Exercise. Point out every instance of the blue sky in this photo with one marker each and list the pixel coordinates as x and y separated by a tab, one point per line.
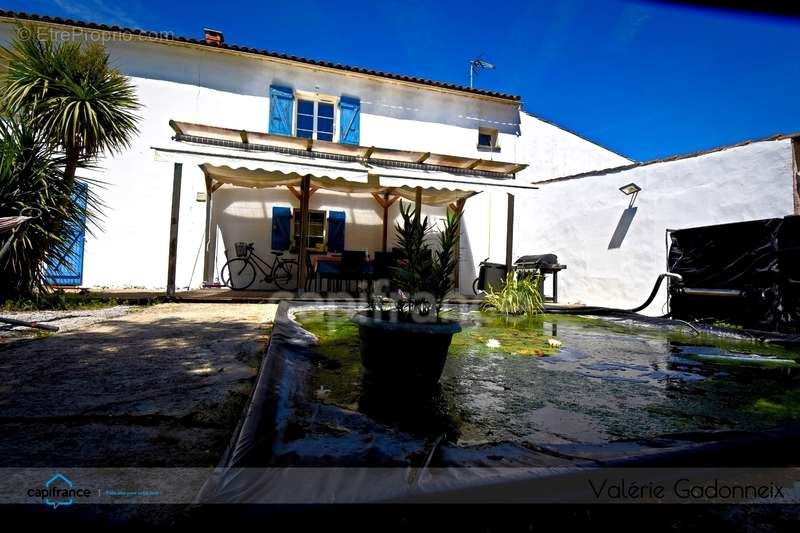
644	79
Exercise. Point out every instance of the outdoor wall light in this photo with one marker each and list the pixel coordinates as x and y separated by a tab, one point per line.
630	188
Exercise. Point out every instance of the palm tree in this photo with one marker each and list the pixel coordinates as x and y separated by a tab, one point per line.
70	93
32	178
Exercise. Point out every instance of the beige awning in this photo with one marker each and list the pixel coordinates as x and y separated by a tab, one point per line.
260	160
439	194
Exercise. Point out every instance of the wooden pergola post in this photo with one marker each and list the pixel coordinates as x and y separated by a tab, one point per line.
417	205
305	194
457	208
173	228
385	220
208	262
385	202
510	233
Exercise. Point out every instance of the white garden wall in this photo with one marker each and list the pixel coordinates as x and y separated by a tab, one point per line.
577	218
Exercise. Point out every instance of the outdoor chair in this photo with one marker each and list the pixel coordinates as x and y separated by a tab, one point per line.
352	267
382	267
311	276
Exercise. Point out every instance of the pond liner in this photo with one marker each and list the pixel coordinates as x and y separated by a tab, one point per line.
249	476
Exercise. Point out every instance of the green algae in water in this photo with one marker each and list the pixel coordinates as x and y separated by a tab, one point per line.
608	379
490	333
338	369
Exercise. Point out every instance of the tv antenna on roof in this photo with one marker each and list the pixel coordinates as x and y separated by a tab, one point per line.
475	65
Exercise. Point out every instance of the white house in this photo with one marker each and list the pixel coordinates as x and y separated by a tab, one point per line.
246	126
206	82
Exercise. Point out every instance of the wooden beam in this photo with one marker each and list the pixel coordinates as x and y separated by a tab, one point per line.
458	205
458	208
208	264
309	144
369	151
295	192
301	260
386	200
379	199
474	164
243	135
216	186
510	232
173	228
423	157
298	194
417	205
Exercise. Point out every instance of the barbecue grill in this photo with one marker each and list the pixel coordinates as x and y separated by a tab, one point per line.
529	265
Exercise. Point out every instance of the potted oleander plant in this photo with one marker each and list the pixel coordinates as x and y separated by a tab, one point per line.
404	339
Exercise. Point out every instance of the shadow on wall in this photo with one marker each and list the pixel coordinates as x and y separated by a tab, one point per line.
623	226
242	218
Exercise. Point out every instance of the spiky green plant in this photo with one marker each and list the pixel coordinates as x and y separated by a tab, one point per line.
518	296
62	106
425	275
32	178
70	93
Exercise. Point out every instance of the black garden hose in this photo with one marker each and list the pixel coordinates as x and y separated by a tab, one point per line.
612	310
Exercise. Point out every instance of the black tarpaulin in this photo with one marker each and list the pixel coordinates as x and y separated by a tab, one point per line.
760	259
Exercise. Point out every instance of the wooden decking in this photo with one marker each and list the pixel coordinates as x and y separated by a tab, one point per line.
224	295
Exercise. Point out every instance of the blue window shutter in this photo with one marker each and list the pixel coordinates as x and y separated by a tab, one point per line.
281	110
349	120
281	228
68	270
335	231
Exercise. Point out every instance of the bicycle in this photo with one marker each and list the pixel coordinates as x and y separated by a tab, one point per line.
240	272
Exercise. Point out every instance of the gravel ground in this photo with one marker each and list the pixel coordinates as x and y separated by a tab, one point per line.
161	387
68	320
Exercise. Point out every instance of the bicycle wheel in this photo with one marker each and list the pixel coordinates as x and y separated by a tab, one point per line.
284	274
475	287
238	274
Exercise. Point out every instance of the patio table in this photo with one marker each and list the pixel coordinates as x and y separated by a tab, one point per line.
330	268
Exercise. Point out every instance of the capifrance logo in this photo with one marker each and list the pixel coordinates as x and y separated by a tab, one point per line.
59	491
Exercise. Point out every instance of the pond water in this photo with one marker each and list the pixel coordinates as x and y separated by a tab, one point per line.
561	378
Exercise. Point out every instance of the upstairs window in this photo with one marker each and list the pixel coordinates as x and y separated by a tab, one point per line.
487	140
315	119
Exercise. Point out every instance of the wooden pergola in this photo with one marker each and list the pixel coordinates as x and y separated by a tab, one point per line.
258	160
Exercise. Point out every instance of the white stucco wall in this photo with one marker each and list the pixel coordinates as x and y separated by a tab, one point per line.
576	218
230	90
551	152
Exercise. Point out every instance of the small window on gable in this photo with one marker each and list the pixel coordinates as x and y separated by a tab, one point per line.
487	140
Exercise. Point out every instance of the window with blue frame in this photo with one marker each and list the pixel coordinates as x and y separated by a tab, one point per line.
315	119
311	116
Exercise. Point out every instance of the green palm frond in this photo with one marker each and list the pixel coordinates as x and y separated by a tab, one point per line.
70	91
31	176
62	106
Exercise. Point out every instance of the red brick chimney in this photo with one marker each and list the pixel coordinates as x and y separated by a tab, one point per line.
213	37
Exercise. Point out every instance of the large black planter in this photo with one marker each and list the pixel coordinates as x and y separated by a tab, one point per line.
403	353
